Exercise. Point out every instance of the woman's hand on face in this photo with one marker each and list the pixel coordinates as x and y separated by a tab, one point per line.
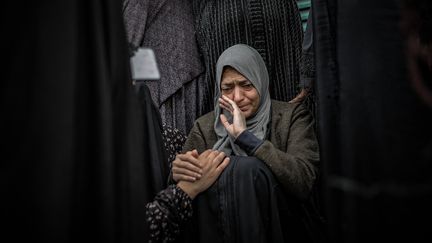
213	163
239	121
186	167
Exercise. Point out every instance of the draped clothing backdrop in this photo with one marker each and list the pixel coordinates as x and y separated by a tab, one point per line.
167	26
189	35
273	28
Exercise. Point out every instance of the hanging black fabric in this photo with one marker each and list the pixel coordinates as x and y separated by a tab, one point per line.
156	150
375	129
273	28
79	151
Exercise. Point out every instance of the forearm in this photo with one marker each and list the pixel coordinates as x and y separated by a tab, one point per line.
171	208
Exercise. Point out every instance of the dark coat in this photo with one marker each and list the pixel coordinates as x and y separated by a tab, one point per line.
272	198
291	150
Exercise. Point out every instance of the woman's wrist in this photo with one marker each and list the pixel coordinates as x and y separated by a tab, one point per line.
248	142
188	189
240	132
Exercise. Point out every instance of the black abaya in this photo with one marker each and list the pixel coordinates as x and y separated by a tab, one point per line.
77	164
247	204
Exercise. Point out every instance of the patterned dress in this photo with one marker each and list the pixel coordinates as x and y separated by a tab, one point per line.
171	208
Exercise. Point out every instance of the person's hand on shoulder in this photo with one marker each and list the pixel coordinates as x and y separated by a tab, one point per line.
301	96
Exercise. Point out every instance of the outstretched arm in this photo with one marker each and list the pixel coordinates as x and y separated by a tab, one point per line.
172	207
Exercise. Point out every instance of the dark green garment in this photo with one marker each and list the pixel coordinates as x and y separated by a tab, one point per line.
246	202
291	150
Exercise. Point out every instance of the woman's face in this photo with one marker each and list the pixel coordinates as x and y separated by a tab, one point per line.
239	89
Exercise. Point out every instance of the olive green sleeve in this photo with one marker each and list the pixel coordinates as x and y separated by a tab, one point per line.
296	168
195	140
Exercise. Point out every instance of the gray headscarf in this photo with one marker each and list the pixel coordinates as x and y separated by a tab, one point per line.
247	61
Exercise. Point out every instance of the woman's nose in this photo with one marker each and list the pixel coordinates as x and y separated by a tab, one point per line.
238	94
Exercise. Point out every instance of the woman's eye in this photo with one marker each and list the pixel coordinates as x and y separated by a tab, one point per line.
247	85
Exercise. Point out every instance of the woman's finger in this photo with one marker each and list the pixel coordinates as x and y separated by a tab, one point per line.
194	153
231	102
189	158
213	155
229	109
218	159
225	122
225	105
223	101
178	178
222	166
184	172
186	165
205	153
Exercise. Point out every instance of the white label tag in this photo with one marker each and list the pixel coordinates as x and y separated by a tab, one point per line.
144	66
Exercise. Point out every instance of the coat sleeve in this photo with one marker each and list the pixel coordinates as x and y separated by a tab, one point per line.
296	168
